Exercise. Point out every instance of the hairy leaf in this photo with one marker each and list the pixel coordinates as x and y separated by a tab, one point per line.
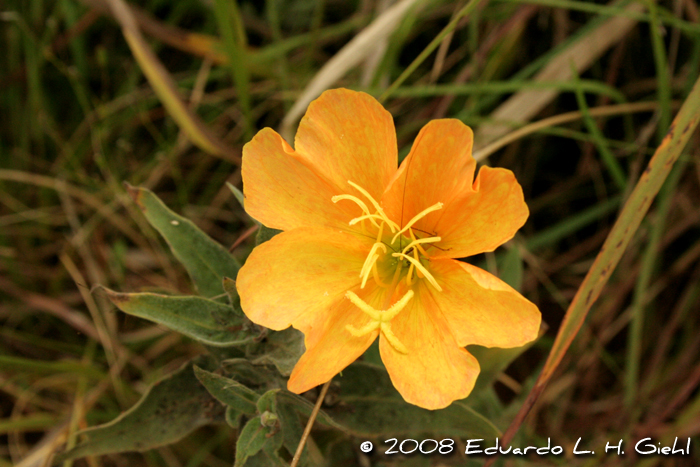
250	440
206	261
253	376
268	457
196	317
228	391
168	411
370	406
282	349
292	430
258	445
286	399
230	289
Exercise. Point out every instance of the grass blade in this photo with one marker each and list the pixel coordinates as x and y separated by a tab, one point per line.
616	171
228	19
622	232
468	8
348	57
164	85
526	104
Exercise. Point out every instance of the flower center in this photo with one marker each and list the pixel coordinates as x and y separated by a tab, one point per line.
389	262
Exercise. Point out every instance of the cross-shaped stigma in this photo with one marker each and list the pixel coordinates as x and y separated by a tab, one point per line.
380	319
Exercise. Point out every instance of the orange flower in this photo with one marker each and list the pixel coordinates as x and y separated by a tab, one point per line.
367	250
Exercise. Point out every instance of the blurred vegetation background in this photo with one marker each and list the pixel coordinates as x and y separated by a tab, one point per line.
80	113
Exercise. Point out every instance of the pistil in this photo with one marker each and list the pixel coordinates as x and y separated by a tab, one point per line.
380	319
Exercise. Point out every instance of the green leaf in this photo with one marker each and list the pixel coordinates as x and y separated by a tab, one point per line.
258	445
230	289
206	261
370	406
292	430
233	417
268	457
264	234
511	268
493	362
195	317
169	410
268	401
282	349
228	392
304	407
251	375
238	194
250	440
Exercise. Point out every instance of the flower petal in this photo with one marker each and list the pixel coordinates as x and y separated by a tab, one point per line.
436	371
475	217
330	347
483	219
348	135
283	190
482	309
438	168
303	271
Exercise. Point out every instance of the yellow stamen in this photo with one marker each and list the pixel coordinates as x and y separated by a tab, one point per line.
380	319
371	260
420	241
416	218
380	211
413	252
409	276
362	206
421	269
372	217
354	199
420	248
380	232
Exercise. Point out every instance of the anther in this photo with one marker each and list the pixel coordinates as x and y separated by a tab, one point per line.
362	206
372	217
392	225
420	248
354	199
420	241
371	260
416	218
